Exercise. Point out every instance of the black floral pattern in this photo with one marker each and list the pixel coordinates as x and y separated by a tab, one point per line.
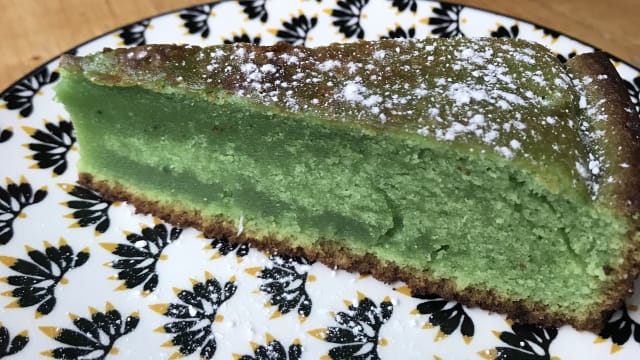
347	17
620	328
194	316
9	346
446	20
20	96
358	330
547	32
400	33
94	338
134	34
403	5
40	276
6	134
634	91
564	58
51	146
242	38
13	200
503	32
526	342
274	350
449	316
255	9
89	209
137	260
284	280
196	19
225	248
296	30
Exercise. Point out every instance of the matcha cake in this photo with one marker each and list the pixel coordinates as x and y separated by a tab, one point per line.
482	170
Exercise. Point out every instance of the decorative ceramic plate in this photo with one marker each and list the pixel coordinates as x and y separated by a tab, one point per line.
82	277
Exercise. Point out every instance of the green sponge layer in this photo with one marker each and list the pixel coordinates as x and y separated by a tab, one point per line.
478	219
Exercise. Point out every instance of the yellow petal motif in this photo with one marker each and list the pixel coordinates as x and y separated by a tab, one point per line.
51	331
269	338
439	336
167	344
159	308
110	247
488	354
404	290
29	130
8	260
253	271
47	353
615	348
276	314
319	333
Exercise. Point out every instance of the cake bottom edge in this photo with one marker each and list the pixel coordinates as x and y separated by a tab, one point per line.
333	255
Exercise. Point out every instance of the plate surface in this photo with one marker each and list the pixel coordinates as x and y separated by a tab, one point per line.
83	277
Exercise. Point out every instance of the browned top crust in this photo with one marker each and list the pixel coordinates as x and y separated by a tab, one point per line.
607	97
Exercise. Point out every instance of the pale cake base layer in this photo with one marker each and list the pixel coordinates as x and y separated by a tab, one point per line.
343	258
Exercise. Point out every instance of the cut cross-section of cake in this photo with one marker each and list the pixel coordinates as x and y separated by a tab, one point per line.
483	170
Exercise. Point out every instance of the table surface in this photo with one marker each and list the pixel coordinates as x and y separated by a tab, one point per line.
33	31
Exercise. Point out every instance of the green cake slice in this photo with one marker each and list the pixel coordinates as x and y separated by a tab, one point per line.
482	170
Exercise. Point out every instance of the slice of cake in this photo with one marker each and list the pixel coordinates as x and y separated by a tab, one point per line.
482	170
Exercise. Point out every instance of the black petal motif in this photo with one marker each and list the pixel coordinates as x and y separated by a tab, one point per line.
446	20
242	38
196	19
548	32
449	316
620	328
347	16
526	342
358	330
10	346
51	145
503	32
296	30
20	96
137	260
403	5
6	134
255	9
194	314
94	338
284	280
634	91
39	276
400	33
225	248
563	58
13	199
134	33
274	350
89	208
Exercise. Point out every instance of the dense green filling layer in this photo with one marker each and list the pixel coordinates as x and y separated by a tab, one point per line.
476	219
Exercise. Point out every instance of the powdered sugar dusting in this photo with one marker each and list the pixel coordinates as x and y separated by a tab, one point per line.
500	97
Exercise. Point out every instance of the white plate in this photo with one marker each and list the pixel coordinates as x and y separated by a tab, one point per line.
65	243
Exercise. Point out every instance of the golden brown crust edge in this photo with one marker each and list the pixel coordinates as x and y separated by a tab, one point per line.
333	255
622	146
